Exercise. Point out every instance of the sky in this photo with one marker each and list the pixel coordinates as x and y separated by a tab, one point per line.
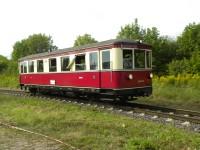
64	20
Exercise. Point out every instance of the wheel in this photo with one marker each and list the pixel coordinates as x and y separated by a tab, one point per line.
121	99
93	97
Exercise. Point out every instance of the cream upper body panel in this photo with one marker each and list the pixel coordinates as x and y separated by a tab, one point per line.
116	59
46	65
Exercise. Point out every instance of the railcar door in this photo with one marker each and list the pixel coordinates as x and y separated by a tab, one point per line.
94	69
106	69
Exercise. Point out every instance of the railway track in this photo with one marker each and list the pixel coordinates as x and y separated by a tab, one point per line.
12	91
186	118
177	114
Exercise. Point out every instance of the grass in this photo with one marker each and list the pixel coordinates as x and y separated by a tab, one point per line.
90	128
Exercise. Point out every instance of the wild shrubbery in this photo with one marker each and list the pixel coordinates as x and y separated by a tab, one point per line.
186	66
9	80
180	81
8	73
181	91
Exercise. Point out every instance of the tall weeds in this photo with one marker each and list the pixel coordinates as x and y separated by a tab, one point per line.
182	81
182	91
9	80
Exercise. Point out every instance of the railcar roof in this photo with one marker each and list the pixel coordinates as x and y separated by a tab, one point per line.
93	45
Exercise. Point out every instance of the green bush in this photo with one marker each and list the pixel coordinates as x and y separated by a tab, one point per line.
185	80
9	80
185	66
12	68
3	63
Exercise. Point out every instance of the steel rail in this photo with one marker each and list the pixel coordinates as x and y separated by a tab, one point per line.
166	109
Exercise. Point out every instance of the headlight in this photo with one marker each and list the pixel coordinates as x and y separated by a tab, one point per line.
130	76
151	75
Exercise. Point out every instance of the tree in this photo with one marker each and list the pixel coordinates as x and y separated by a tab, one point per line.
151	36
3	63
189	41
179	67
36	43
164	51
84	39
131	31
183	66
188	52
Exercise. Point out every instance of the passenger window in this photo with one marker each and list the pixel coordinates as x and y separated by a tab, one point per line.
25	67
80	62
93	61
40	67
127	59
31	66
22	68
105	59
52	65
148	59
64	63
139	58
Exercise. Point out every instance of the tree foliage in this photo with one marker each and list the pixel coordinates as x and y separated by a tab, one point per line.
188	53
84	39
3	63
12	68
36	43
131	31
164	51
186	66
189	41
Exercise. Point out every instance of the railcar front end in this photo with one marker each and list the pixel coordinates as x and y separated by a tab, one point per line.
130	74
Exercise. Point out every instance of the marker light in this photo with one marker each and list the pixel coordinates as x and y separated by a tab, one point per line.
130	76
151	75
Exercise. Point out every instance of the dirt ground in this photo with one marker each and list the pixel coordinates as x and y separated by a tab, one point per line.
10	139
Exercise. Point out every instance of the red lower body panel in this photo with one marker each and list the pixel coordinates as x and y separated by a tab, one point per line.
104	80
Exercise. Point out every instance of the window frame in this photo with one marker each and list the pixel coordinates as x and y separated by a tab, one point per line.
143	50
25	67
61	63
150	59
133	62
21	67
32	71
77	55
50	64
38	65
97	61
107	50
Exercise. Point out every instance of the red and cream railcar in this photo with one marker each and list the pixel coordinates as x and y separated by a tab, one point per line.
117	68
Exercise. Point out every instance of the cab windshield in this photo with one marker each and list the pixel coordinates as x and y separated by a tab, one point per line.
137	58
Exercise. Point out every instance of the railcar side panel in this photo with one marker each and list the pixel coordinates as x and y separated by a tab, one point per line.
90	79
